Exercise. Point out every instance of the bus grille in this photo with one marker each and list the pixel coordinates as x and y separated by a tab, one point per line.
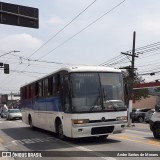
107	120
102	130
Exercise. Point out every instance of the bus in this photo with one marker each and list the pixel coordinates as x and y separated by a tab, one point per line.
76	101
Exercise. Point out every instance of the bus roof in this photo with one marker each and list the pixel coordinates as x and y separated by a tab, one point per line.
90	69
80	69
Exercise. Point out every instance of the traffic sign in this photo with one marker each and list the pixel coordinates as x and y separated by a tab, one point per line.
18	15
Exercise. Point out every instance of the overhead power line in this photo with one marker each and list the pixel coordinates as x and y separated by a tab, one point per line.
148	46
27	72
63	28
59	31
145	49
113	8
111	60
36	60
67	40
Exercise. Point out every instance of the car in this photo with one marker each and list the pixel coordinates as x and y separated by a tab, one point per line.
4	113
139	114
14	114
148	115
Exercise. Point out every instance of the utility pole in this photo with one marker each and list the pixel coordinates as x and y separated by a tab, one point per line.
132	66
131	77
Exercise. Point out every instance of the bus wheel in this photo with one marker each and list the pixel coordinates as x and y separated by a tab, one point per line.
104	137
31	124
156	131
60	131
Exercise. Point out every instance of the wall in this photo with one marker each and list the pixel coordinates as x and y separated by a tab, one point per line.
145	103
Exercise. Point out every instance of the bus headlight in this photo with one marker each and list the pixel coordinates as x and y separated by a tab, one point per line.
122	118
80	121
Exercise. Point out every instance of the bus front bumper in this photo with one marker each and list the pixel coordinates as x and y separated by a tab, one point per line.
95	130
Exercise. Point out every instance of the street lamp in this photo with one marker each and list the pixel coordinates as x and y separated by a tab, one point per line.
8	53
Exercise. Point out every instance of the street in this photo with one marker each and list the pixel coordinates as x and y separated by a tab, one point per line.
17	136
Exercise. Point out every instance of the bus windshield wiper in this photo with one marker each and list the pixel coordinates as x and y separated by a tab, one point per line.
95	106
107	99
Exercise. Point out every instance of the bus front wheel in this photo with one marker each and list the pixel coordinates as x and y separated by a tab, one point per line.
103	137
60	131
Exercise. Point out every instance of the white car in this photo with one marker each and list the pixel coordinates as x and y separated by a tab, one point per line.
14	114
148	115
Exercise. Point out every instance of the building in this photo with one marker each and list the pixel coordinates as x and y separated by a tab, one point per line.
11	100
154	95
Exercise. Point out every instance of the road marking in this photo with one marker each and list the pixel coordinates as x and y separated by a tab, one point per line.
142	132
94	153
129	138
9	121
38	140
1	140
33	140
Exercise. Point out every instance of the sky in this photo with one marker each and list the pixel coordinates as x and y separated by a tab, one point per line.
81	32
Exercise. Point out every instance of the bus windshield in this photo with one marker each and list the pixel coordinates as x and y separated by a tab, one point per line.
97	92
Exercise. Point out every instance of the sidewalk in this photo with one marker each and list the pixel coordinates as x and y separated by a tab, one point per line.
139	127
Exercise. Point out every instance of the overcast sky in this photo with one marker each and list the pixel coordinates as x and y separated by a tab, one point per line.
103	29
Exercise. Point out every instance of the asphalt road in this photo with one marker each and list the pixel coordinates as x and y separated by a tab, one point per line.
17	136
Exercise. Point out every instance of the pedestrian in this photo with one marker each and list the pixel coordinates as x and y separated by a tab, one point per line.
5	107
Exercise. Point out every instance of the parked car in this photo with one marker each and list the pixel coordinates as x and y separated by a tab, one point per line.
154	122
14	114
139	114
4	113
148	115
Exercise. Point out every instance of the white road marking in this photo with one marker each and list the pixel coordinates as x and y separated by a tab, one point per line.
144	132
95	153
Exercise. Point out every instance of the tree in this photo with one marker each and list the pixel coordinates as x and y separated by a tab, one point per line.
138	94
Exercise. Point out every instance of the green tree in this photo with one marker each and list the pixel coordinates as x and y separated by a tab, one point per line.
136	79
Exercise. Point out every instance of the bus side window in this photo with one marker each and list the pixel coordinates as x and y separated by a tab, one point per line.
29	91
36	89
66	94
45	87
50	85
54	85
32	90
25	92
58	86
40	89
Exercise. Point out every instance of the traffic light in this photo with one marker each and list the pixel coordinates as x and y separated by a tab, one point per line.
6	68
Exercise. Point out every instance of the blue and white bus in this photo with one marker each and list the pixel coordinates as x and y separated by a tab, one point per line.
77	101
